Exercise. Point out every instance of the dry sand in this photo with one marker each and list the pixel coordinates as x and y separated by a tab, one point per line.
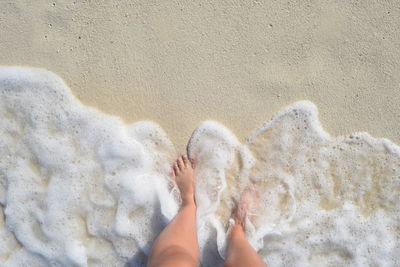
181	62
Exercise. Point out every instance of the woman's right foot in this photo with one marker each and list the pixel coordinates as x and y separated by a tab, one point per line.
244	208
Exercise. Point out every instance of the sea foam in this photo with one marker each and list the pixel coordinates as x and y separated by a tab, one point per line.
81	188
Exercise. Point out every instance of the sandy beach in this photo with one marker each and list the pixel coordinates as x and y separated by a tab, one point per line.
83	186
179	63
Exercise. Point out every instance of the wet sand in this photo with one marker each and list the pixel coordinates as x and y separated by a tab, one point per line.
180	64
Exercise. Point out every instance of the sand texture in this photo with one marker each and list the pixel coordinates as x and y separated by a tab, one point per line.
238	62
179	63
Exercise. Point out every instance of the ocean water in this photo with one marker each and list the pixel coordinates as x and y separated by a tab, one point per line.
81	188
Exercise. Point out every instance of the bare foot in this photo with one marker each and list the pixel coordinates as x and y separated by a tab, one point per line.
183	174
244	208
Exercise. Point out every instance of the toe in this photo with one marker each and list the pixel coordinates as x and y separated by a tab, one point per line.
176	168
186	161
193	161
180	163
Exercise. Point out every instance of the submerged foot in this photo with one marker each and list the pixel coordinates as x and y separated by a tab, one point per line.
183	174
244	209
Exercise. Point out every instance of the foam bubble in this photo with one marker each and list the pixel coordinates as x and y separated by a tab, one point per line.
77	184
79	187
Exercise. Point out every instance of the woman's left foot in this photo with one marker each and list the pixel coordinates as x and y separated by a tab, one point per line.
183	174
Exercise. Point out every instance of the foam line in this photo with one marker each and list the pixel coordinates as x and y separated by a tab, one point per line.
81	188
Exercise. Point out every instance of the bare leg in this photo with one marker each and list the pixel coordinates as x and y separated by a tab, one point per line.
177	244
240	252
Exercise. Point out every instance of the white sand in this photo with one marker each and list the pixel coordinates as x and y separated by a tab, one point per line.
238	63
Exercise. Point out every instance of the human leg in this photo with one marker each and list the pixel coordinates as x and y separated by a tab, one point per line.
177	244
240	252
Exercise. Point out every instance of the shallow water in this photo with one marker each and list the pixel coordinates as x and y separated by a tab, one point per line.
79	187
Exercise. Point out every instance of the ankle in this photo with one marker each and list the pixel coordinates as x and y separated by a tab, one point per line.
188	201
237	231
238	227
